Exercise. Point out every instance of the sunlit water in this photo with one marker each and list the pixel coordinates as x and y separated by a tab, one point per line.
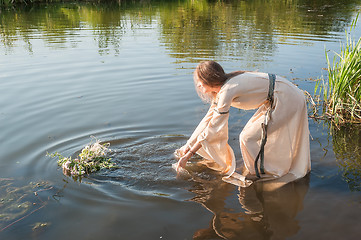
124	75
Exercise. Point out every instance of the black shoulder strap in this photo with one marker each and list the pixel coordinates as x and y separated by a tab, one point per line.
260	155
272	80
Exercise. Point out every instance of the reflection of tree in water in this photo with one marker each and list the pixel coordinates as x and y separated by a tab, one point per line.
200	30
204	29
61	25
259	213
347	148
191	29
54	24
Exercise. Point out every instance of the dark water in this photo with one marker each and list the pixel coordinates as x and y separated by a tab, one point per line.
123	73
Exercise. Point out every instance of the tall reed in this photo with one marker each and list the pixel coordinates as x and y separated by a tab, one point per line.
342	93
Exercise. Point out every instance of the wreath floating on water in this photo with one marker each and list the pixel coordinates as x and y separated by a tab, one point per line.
92	158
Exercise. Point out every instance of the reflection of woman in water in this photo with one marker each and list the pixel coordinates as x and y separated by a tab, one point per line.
262	214
275	141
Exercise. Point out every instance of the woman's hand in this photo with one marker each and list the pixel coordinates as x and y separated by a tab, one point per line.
183	160
182	151
185	153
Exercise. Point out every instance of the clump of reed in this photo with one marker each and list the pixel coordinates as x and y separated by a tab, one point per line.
342	93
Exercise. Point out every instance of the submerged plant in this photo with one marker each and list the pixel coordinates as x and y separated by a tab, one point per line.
342	93
92	157
19	202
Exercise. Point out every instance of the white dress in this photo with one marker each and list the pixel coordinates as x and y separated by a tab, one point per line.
287	151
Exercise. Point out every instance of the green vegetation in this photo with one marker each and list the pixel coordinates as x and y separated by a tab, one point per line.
92	158
342	93
19	202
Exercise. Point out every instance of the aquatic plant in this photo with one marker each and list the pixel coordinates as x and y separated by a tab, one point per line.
92	157
19	202
342	93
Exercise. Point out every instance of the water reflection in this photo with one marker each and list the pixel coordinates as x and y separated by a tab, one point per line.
262	214
347	148
191	30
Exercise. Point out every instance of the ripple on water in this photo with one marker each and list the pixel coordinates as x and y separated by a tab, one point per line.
145	164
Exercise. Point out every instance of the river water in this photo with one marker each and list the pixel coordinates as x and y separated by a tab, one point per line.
123	74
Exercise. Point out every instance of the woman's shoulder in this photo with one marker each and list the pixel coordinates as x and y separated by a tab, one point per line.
244	83
245	77
255	74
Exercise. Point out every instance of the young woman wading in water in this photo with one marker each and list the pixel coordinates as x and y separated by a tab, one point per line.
275	141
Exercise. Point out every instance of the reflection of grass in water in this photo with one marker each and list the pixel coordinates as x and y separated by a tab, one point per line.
347	148
17	203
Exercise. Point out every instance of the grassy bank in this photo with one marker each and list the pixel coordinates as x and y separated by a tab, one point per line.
341	94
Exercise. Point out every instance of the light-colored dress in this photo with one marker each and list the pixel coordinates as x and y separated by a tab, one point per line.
287	151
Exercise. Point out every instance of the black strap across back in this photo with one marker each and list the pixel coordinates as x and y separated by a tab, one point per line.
272	80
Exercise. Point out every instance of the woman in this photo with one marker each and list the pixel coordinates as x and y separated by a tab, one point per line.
275	141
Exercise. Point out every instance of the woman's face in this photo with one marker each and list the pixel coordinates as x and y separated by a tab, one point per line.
205	89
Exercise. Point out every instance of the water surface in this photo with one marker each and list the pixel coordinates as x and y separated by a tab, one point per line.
123	73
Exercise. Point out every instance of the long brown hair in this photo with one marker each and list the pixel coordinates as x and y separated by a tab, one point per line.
212	74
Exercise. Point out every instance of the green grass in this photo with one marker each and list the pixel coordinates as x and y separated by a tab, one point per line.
342	93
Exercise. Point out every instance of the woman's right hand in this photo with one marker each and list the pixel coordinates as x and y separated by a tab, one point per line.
182	151
183	160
